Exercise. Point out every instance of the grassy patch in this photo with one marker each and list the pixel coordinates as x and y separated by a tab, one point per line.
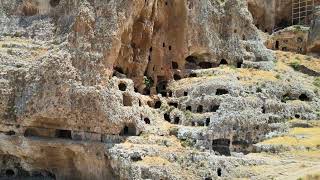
309	137
295	64
316	82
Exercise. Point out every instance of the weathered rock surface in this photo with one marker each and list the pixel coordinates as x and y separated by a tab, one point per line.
314	35
135	89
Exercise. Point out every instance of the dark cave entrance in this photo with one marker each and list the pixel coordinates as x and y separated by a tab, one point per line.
175	65
221	92
129	130
176	120
304	97
122	87
167	117
176	77
221	146
162	87
200	109
207	121
54	3
205	65
223	62
157	105
214	108
10	173
64	134
277	45
147	120
219	172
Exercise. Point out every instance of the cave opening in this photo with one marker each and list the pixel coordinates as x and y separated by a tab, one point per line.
64	134
193	75
167	117
118	72
200	109
54	3
147	120
221	92
191	59
205	65
304	97
277	45
223	62
129	130
185	93
189	108
157	105
207	121
122	86
146	91
170	93
30	132
9	173
174	65
10	133
219	172
191	62
174	104
239	64
162	87
176	77
177	120
127	100
136	158
283	24
221	146
297	116
214	108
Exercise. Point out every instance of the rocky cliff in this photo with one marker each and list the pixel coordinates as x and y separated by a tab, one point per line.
140	89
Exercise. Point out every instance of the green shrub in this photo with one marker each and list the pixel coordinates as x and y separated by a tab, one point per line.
295	65
148	81
316	82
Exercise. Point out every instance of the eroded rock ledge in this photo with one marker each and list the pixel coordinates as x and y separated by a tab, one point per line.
139	89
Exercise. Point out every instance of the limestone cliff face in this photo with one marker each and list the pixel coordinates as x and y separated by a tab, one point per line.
138	38
314	35
90	89
273	15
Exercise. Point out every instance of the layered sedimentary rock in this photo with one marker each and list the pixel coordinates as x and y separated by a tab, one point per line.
273	15
91	89
314	39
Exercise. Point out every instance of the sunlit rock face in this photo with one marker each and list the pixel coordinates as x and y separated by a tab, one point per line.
314	35
87	89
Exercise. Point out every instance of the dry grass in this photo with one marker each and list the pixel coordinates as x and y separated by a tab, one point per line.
308	137
311	177
308	61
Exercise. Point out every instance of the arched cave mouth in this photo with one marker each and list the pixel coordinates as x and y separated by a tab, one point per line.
199	61
129	130
222	146
162	87
54	3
